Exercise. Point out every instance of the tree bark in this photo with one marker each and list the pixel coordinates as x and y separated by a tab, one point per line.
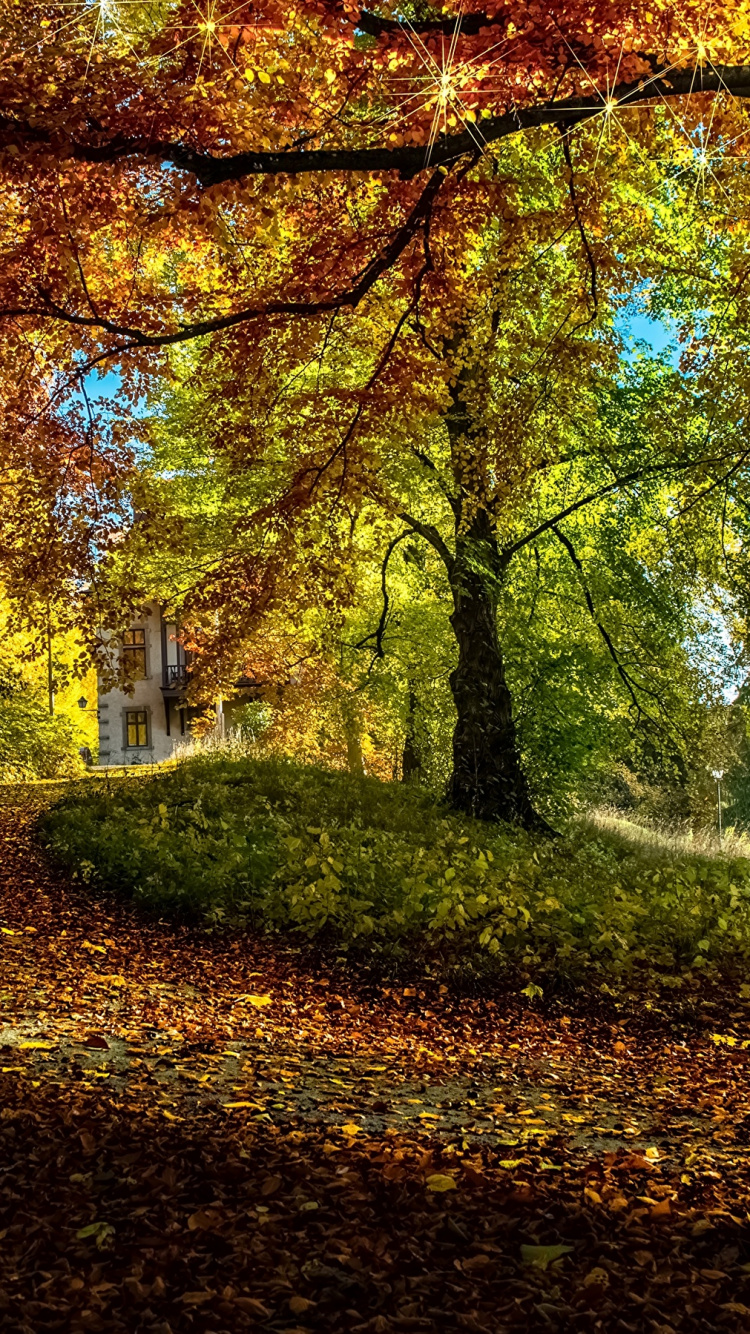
353	737
488	781
411	760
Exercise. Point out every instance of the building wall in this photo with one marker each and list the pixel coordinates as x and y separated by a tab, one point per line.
146	695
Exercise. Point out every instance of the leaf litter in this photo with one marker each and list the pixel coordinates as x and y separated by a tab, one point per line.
346	1157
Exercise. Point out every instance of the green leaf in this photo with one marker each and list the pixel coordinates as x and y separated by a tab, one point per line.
542	1256
102	1233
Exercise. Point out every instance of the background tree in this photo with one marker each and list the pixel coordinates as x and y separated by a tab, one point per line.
42	726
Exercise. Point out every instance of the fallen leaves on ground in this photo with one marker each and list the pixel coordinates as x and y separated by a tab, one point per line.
343	1157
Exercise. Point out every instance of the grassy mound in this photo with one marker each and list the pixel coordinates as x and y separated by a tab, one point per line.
284	847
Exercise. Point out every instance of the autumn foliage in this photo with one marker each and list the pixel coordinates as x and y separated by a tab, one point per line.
169	171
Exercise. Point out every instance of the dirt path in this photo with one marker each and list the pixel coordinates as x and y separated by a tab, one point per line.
210	1134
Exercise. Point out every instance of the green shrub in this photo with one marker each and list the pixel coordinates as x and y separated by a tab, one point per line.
378	865
33	742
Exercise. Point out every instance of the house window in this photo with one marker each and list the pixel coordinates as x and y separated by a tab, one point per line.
134	654
136	728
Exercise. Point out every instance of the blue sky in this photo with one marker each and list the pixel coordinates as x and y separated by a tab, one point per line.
104	387
638	327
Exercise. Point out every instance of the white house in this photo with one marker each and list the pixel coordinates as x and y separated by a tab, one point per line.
152	721
149	724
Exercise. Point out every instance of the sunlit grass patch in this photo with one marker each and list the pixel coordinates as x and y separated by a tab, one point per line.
382	867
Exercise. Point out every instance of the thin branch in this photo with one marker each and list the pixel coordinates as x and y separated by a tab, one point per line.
136	338
467	25
430	534
712	486
652	470
622	672
581	230
377	634
427	462
382	361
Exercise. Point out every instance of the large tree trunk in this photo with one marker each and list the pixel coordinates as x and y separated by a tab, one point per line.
488	781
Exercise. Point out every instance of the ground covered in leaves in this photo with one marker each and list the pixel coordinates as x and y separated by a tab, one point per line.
207	1132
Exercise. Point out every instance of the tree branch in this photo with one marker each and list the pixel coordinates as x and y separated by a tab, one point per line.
377	634
427	462
650	470
581	232
135	338
623	674
408	161
467	25
430	534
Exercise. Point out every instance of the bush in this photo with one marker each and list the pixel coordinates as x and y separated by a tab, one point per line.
33	742
377	865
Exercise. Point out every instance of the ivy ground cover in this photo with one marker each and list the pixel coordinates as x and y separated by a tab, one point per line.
380	869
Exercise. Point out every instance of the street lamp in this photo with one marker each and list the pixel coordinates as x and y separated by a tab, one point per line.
718	774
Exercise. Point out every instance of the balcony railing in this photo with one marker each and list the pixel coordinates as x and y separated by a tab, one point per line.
175	676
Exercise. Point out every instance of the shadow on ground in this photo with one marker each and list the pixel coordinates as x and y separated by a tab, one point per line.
202	1134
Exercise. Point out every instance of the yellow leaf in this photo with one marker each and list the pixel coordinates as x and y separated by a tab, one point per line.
438	1183
351	1129
99	949
298	1305
234	1105
7	931
263	76
36	1046
652	1153
598	1278
257	1001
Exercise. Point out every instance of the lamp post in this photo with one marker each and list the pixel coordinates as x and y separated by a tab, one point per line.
718	774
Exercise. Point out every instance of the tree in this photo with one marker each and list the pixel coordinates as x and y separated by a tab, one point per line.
313	175
41	729
523	433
